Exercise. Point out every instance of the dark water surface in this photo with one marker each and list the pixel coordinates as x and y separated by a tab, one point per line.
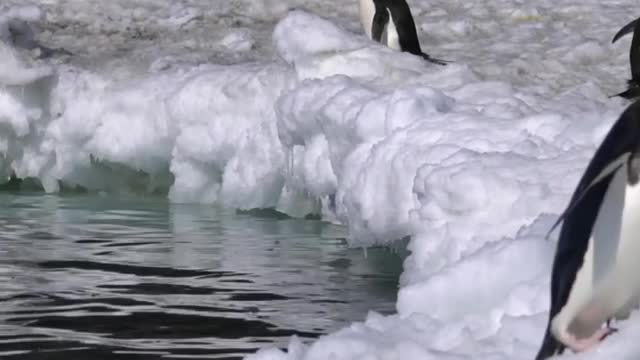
89	277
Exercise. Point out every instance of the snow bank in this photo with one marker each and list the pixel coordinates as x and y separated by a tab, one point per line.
473	170
24	96
228	145
472	161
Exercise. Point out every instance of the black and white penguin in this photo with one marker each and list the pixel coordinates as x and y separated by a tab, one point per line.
595	270
634	59
394	16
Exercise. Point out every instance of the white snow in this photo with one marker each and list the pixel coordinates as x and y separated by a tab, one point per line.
255	104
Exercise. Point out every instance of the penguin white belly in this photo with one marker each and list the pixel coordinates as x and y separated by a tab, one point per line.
625	285
393	40
367	12
608	283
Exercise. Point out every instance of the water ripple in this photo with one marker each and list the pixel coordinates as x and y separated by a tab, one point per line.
122	279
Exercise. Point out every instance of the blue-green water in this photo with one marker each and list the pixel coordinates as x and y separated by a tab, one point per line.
122	278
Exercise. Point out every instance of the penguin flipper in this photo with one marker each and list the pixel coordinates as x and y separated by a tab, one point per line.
405	27
625	30
550	347
407	34
608	170
380	21
634	56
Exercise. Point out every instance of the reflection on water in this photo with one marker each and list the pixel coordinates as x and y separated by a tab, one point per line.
84	276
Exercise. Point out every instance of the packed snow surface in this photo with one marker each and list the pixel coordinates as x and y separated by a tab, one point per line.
287	105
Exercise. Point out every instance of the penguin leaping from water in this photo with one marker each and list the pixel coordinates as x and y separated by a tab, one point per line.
634	58
394	16
595	270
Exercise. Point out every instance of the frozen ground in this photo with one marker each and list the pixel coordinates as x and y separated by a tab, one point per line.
247	104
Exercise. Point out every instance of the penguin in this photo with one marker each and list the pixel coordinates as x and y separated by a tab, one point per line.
634	59
394	16
594	277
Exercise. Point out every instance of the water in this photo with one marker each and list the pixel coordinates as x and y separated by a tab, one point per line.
89	276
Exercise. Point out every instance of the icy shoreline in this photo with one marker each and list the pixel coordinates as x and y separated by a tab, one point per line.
473	161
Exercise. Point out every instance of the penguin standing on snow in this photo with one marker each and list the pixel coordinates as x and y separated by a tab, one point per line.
595	276
634	59
394	16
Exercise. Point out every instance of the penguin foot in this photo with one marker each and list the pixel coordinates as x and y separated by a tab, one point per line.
611	331
434	60
579	345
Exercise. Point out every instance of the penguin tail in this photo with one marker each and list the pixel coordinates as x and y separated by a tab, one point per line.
434	60
550	347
